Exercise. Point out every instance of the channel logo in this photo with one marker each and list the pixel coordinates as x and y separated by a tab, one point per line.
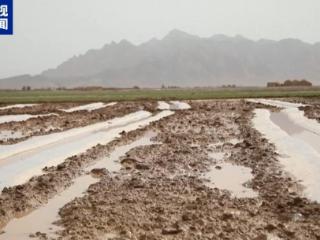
6	17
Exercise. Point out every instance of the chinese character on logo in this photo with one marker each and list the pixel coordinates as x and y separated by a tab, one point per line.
4	23
3	10
6	17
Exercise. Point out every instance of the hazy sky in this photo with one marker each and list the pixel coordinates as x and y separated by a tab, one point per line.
48	32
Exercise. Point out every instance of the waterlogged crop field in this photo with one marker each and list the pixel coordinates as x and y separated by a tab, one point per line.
159	169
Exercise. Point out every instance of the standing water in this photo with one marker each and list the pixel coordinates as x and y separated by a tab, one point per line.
232	178
42	219
89	107
21	117
17	106
297	139
228	176
26	159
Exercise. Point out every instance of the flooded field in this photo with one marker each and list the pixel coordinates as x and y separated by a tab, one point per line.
297	139
19	118
17	106
89	107
211	169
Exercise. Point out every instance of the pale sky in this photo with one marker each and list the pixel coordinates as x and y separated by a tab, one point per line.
47	32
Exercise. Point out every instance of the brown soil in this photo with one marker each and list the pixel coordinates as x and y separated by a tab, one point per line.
312	112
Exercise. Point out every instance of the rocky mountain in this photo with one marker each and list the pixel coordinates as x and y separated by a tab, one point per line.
182	59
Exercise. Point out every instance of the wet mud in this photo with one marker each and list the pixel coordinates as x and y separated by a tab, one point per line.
161	190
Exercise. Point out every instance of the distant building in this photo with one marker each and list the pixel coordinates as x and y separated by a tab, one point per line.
273	84
290	83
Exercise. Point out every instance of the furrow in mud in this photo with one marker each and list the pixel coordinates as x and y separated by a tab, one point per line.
19	200
162	191
61	121
167	196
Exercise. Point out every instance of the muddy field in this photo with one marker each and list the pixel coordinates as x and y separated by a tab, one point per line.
40	119
231	169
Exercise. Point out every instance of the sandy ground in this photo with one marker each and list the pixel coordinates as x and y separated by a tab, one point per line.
161	191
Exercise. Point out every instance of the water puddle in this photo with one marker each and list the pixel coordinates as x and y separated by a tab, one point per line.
89	107
283	121
20	117
308	135
297	117
6	135
112	162
227	176
21	161
298	142
42	141
232	178
174	105
276	103
163	105
17	106
177	105
42	219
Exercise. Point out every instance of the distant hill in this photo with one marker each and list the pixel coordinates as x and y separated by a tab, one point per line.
181	59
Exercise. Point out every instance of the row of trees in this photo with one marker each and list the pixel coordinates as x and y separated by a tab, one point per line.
26	88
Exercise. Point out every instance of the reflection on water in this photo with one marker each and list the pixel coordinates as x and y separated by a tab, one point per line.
52	149
89	107
294	129
112	162
42	219
173	105
21	117
276	103
228	176
163	105
17	106
6	135
232	178
283	121
177	105
58	146
298	142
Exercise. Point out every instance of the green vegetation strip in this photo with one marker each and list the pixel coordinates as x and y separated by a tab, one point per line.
36	96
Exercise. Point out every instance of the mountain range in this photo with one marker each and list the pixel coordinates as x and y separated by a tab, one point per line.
184	60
